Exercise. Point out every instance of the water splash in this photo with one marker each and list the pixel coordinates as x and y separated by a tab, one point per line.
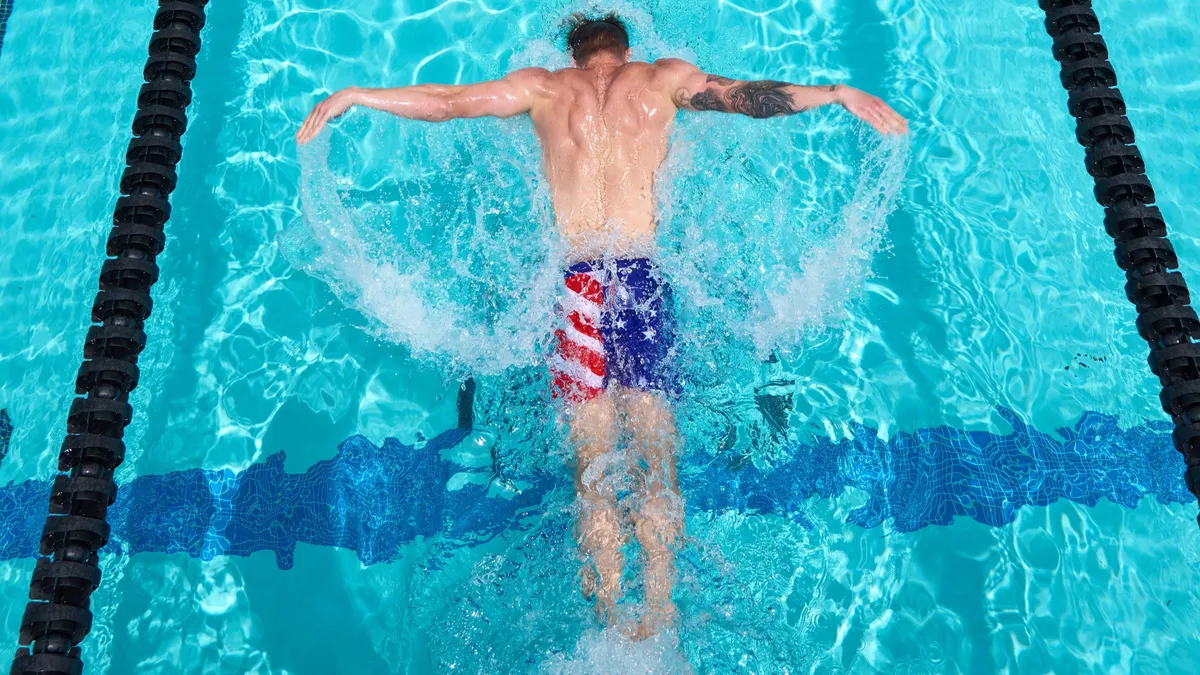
610	651
442	236
455	262
771	240
646	41
834	271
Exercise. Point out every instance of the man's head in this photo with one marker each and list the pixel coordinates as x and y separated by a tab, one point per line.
588	37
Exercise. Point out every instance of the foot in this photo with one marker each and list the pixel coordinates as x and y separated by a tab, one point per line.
658	618
604	600
589	582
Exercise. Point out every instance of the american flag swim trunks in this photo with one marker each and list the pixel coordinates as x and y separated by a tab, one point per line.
616	326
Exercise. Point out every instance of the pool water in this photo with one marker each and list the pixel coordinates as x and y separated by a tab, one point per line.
919	432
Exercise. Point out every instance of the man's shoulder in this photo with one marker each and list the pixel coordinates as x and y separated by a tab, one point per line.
669	73
674	65
529	74
538	81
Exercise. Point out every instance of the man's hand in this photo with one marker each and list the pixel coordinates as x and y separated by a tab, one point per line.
331	108
871	109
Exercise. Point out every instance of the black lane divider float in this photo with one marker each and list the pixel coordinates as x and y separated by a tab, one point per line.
1165	318
59	617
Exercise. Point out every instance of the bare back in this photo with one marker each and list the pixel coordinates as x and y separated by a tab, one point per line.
604	135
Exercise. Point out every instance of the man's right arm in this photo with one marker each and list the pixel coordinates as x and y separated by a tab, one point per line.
696	90
511	95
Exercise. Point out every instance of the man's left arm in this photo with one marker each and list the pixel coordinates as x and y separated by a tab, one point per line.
699	91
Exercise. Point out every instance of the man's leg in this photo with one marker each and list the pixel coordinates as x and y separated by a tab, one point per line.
594	432
658	519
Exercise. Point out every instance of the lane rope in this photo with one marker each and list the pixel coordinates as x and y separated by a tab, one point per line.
58	617
1165	319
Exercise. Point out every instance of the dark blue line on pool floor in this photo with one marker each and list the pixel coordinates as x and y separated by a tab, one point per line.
6	430
375	499
6	8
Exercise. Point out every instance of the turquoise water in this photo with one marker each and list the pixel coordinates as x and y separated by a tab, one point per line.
989	288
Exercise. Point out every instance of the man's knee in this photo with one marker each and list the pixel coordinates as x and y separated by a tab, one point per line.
599	523
660	521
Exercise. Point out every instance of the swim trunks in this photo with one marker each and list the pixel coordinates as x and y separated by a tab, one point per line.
617	326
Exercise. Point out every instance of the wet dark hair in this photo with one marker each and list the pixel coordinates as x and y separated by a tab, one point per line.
587	36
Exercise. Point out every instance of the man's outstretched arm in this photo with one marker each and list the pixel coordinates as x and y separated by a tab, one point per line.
697	90
511	95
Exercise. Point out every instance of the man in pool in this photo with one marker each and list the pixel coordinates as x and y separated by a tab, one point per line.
604	126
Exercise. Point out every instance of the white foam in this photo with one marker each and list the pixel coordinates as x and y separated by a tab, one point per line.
767	232
602	652
835	271
441	283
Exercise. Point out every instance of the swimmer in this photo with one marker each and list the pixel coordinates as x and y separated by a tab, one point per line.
603	126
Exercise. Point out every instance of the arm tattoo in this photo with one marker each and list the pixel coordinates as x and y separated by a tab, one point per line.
708	100
764	98
758	99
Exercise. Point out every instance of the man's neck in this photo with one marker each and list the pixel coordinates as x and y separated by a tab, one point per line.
603	64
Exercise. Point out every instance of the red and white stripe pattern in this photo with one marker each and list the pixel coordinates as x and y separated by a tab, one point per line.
578	364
